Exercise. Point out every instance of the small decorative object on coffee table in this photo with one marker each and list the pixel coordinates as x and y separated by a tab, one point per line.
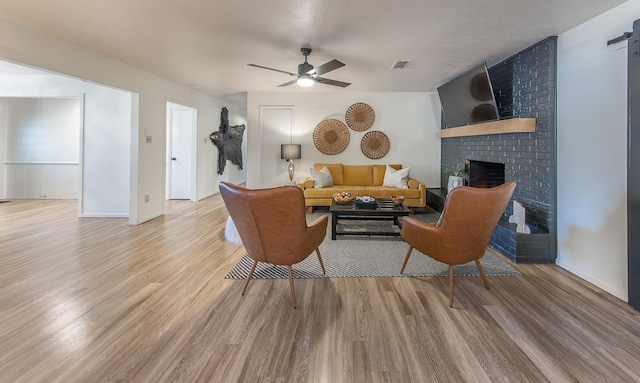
398	200
343	197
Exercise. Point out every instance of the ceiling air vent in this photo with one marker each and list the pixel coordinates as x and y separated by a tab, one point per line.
400	64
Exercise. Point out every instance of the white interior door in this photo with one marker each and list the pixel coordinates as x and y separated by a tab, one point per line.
182	122
276	127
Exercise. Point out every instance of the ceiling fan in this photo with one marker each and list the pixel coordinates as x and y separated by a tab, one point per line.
307	74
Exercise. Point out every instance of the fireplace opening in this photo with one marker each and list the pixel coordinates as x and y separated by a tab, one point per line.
484	174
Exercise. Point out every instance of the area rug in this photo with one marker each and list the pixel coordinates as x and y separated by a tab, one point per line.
358	257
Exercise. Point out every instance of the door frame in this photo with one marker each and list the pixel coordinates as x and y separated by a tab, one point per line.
633	166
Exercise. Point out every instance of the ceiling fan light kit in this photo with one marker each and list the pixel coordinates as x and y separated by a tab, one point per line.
305	80
307	74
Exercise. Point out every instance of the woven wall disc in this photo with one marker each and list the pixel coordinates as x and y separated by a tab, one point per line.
331	136
360	117
375	144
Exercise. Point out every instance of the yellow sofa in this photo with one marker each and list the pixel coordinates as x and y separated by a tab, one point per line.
360	180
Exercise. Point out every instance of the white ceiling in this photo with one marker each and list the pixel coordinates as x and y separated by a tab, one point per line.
209	42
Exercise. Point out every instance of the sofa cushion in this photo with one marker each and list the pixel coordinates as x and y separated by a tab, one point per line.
321	178
358	175
378	173
396	178
307	183
336	172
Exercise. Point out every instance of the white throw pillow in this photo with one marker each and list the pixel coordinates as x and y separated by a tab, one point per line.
321	178
396	178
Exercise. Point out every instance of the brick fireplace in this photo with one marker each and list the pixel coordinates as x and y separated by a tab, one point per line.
525	86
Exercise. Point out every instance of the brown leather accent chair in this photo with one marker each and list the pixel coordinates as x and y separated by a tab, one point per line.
273	227
468	219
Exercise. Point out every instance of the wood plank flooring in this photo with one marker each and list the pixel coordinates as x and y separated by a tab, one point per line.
97	300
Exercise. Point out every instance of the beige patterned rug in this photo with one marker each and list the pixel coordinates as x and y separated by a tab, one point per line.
357	257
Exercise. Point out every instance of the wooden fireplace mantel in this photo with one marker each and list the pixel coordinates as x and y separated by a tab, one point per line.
513	125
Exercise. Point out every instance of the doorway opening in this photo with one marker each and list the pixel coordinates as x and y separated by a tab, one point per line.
182	128
40	147
67	139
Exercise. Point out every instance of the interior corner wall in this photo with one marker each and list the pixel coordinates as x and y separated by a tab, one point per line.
411	121
592	149
23	45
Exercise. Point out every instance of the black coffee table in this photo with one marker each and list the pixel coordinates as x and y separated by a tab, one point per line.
385	210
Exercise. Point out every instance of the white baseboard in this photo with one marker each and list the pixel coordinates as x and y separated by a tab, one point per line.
149	218
622	295
200	198
122	215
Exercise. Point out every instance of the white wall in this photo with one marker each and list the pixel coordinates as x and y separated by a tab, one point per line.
43	129
20	44
592	148
410	120
41	141
106	137
207	177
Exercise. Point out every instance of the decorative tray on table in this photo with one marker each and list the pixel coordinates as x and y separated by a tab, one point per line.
366	202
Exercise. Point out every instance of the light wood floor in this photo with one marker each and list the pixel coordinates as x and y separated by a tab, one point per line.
97	300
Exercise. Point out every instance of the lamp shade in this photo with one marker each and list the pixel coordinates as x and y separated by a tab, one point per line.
290	151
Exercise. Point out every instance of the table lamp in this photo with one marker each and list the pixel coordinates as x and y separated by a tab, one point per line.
290	152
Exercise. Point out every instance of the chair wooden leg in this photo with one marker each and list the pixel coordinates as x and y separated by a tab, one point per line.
451	286
309	209
320	259
484	277
253	268
406	259
293	290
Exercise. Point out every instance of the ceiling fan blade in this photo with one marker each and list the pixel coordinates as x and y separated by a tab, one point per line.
331	82
326	67
275	70
288	83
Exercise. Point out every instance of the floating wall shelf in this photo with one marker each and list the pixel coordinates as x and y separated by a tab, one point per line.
513	125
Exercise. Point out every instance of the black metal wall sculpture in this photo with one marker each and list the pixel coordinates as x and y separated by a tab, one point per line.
228	139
